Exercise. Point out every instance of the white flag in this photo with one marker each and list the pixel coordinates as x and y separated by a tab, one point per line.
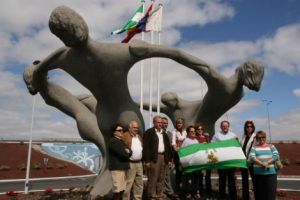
154	20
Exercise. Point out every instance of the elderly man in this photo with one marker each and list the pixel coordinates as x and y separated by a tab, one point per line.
226	174
157	155
134	176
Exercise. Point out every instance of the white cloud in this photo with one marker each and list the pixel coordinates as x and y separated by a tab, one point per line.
286	126
282	50
297	92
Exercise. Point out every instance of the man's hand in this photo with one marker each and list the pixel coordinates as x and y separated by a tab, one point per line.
170	165
147	165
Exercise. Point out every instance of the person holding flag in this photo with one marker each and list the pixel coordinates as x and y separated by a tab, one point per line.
225	174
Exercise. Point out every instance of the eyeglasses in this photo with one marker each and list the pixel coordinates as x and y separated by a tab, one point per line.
260	138
119	130
200	129
249	126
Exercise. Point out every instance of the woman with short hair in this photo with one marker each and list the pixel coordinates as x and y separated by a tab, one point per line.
119	154
263	156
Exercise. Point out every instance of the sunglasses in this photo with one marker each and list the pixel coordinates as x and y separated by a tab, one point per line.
259	138
119	130
200	129
249	126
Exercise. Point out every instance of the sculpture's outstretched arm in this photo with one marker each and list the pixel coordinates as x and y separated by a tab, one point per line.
144	50
32	75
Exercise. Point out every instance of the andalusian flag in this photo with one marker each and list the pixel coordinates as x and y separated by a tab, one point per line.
216	155
138	15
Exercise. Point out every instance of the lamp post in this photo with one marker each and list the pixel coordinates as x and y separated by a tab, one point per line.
268	102
29	149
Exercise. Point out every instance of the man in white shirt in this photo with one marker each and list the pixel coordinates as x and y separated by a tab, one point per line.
134	175
225	174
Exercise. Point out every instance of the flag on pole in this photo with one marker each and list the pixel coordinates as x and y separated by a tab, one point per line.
140	27
155	20
216	155
138	15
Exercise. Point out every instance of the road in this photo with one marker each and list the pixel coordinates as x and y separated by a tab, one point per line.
42	184
291	184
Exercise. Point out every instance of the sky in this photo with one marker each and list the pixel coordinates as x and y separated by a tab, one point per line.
222	33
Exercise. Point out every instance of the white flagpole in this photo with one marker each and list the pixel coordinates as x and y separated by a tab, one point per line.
142	73
151	86
29	149
158	73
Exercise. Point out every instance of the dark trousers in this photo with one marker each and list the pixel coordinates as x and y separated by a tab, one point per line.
265	187
190	183
227	175
245	182
208	182
179	173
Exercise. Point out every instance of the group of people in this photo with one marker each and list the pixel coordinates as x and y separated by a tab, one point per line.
154	154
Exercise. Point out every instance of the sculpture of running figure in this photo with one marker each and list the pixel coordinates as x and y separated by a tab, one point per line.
101	67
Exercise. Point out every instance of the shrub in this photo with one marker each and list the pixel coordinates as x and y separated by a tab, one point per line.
297	161
280	142
12	193
4	167
37	165
281	193
48	190
50	165
22	167
285	161
60	166
294	142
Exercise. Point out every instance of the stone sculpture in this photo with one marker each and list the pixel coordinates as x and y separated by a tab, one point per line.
102	68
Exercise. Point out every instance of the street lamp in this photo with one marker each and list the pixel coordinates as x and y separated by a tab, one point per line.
268	102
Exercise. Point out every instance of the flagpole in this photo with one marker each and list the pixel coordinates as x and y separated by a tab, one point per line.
29	149
151	85
142	72
151	82
158	73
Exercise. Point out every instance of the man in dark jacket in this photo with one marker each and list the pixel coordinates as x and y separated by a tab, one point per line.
156	155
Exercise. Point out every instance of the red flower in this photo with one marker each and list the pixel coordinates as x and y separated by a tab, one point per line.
48	190
12	193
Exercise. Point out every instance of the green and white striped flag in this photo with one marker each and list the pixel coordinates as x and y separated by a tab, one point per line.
216	155
138	15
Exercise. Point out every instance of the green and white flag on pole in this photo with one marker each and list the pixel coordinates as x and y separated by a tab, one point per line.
138	15
216	155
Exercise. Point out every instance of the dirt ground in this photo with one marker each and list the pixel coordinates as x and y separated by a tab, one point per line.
13	162
291	154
